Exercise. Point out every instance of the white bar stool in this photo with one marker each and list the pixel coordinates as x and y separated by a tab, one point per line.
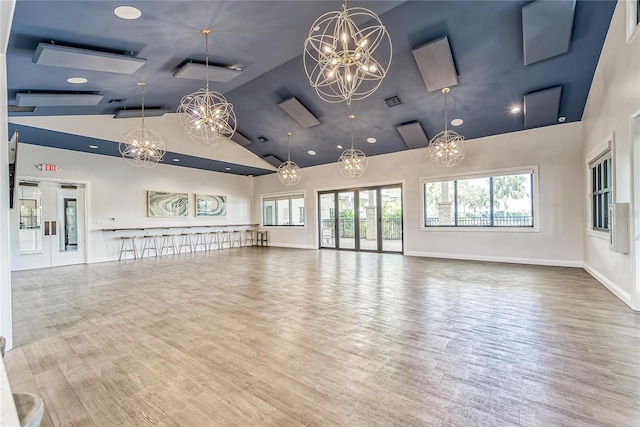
249	236
128	245
168	243
185	242
150	244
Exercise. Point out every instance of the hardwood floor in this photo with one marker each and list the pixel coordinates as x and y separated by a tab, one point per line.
281	337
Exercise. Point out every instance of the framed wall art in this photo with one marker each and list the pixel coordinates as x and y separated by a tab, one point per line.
211	205
167	205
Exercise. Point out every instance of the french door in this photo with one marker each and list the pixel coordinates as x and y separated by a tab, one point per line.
47	225
362	219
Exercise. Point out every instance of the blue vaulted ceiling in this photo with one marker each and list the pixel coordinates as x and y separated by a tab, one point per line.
265	39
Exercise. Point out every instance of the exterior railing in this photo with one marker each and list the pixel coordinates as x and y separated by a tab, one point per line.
391	228
499	221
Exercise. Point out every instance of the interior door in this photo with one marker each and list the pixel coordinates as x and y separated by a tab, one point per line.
48	226
368	220
346	233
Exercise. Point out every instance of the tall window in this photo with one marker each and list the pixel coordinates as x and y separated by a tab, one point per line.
601	191
283	210
491	201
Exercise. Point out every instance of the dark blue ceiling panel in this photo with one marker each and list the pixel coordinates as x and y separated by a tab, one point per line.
265	39
67	141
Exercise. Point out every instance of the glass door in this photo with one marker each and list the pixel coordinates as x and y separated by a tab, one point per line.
346	237
327	220
391	224
48	225
368	219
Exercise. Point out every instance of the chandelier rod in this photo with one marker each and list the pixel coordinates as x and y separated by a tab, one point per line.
142	84
206	56
351	119
445	91
288	146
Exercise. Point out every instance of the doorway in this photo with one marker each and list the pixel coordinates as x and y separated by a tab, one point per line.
362	219
48	225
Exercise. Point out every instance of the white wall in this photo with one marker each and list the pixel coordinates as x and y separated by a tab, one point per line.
557	152
117	190
614	96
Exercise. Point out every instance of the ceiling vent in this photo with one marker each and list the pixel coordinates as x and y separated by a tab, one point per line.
19	109
263	139
196	71
435	63
115	101
240	139
58	99
272	160
299	113
85	59
413	134
542	107
393	101
546	29
129	113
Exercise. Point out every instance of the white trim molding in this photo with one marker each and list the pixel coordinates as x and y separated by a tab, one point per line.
615	289
507	260
633	28
291	246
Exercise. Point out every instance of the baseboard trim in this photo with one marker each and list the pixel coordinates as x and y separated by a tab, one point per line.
508	260
612	287
294	246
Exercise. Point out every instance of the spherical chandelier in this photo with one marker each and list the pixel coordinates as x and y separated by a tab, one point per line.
288	172
352	162
344	62
447	148
142	147
206	116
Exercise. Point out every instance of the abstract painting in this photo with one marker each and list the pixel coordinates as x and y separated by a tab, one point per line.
167	205
211	205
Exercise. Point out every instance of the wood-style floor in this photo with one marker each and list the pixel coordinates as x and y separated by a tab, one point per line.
280	337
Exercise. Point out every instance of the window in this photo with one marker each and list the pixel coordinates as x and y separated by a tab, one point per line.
601	191
283	210
504	200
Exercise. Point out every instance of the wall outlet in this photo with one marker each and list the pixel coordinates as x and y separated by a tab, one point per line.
99	221
113	218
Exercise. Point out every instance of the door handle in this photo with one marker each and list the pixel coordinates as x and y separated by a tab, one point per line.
46	228
54	229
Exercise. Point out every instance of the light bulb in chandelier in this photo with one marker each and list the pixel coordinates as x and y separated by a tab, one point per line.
352	162
142	147
289	173
343	62
206	116
447	148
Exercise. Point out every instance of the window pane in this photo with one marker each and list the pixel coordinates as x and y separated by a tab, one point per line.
438	208
474	205
605	216
282	209
594	208
594	179
269	212
297	211
512	201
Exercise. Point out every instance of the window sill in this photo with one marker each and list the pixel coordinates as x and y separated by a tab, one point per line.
598	234
483	229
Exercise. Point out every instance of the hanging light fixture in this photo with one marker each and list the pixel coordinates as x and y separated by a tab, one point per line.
352	162
339	57
206	116
288	172
140	146
447	148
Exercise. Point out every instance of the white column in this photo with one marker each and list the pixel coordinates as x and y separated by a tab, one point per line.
6	17
444	206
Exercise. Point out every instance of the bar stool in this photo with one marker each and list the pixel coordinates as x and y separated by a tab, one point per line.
226	238
216	239
236	238
185	242
168	242
249	236
262	238
200	240
128	245
150	244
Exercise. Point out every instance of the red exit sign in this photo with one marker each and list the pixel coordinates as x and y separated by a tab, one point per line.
46	167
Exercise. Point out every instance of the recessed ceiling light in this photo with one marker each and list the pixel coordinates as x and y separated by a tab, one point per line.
176	160
562	119
457	122
515	109
371	140
93	146
339	146
227	169
311	152
76	80
127	12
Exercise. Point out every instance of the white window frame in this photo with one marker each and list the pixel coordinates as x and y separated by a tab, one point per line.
280	196
607	145
528	169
